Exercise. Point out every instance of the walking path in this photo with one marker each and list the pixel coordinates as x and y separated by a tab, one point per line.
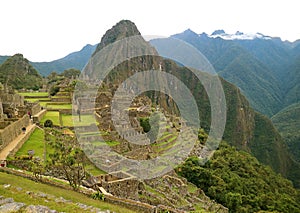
12	145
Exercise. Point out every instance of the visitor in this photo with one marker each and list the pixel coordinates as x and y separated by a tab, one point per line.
24	129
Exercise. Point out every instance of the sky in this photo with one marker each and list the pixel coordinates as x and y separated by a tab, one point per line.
45	30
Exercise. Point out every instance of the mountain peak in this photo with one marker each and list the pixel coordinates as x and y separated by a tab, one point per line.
218	32
238	35
17	72
122	29
189	31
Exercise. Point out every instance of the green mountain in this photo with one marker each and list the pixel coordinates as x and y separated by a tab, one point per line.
245	128
3	58
238	181
76	60
259	66
267	71
292	82
17	72
287	121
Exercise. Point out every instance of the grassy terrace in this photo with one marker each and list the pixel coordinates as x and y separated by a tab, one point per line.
35	142
31	94
19	187
38	99
86	120
32	97
59	106
53	116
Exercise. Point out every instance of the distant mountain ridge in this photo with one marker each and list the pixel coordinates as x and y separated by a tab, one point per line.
259	65
238	35
76	60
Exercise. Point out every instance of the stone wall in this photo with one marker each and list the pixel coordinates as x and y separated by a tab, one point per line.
21	142
12	131
38	117
35	109
14	99
131	204
122	188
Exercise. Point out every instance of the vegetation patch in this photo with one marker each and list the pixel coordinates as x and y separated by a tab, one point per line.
35	142
238	181
34	94
53	116
86	120
55	198
59	106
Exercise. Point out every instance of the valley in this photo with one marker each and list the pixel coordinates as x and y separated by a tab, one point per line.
87	135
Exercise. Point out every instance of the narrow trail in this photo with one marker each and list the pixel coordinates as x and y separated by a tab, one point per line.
5	152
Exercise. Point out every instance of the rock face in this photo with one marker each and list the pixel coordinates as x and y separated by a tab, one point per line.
38	209
122	29
9	205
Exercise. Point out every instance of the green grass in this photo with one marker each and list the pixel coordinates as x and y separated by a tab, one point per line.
34	94
112	143
43	101
93	170
191	188
35	142
37	99
59	106
166	142
53	116
86	120
60	97
19	187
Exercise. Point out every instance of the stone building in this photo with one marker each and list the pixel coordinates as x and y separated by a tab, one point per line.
15	114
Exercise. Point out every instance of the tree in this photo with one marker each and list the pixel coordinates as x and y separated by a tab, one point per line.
37	168
53	90
71	73
238	181
48	123
145	124
67	157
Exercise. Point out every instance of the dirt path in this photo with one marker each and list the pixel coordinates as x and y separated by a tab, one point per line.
5	152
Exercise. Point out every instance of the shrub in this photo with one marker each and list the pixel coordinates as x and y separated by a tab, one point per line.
53	90
48	123
98	196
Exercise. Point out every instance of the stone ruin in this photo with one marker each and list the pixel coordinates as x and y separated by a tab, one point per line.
15	114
